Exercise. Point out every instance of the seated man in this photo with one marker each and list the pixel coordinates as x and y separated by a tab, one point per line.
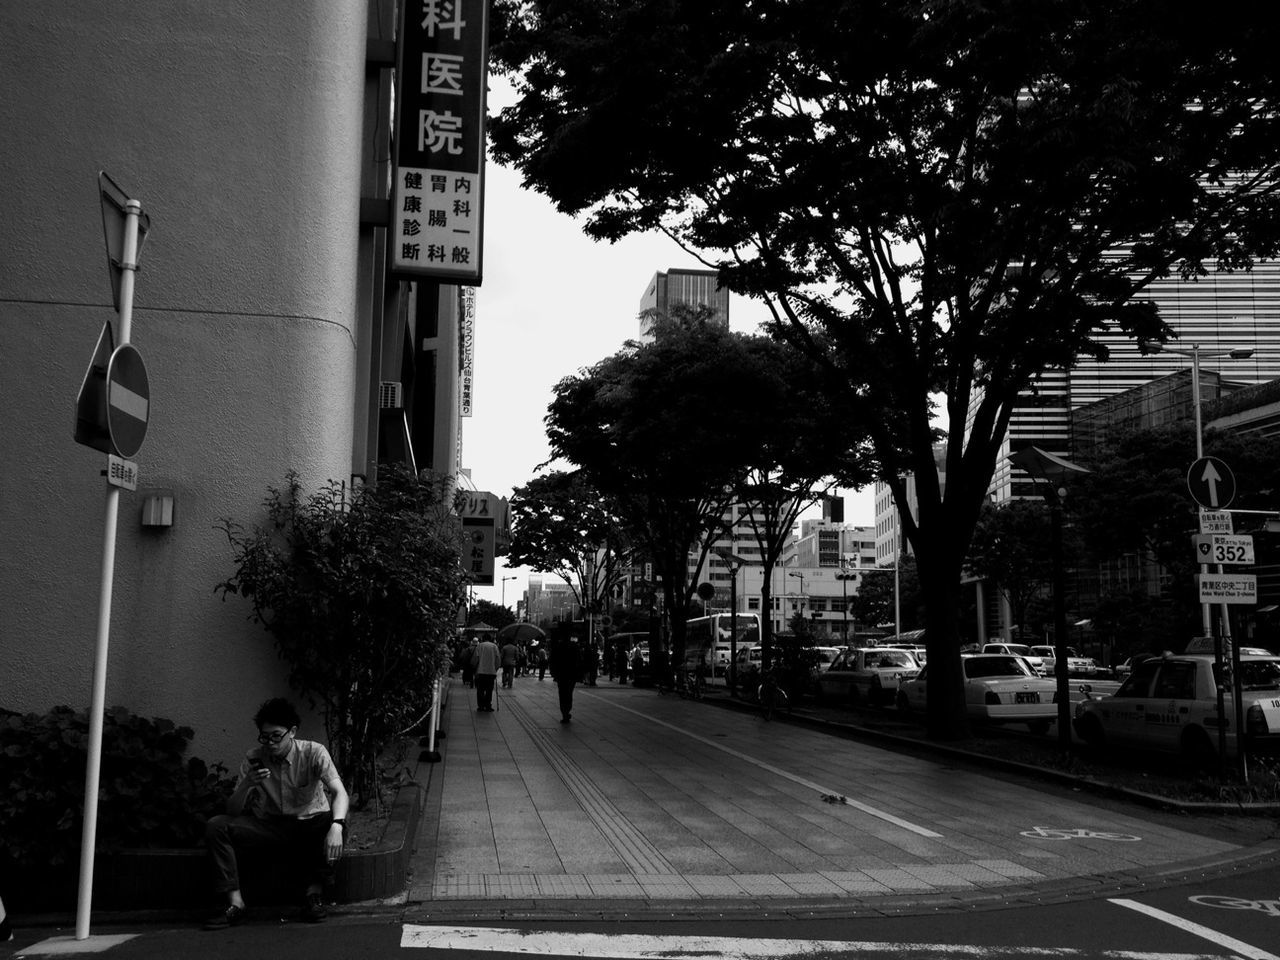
289	797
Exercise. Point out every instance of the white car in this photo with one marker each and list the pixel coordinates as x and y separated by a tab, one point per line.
998	688
1170	704
866	673
1017	650
917	650
1077	666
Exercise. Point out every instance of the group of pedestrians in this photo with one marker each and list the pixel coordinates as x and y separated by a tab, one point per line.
562	655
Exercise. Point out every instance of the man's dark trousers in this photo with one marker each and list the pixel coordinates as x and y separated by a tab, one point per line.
484	690
300	840
565	688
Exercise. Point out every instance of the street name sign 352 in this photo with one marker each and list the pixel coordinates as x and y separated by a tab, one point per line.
1221	548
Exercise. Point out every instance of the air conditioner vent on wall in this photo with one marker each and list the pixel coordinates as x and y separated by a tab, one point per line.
390	395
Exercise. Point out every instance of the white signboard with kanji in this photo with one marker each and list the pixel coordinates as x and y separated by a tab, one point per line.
1228	588
437	208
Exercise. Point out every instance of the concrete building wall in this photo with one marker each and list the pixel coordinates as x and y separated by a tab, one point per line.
237	124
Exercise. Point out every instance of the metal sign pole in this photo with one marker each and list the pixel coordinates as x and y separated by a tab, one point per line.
97	708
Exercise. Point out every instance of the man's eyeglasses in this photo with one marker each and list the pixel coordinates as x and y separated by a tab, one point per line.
272	737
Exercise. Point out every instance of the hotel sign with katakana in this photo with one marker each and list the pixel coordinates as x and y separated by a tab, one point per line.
437	208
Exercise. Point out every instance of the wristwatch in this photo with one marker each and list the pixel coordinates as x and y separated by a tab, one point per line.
342	822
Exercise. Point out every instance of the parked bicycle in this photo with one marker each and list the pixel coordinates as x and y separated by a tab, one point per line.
771	695
694	685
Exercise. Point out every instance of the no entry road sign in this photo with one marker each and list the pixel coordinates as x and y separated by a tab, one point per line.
128	400
1211	482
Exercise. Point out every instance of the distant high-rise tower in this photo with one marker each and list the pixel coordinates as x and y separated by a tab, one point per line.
692	287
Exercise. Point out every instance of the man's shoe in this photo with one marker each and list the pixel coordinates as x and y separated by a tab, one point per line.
231	917
313	910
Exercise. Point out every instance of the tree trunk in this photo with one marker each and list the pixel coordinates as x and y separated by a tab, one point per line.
939	570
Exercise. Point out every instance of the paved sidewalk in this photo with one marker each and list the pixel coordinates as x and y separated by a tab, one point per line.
646	800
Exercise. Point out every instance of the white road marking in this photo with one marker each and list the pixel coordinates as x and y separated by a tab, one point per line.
642	947
819	788
1238	947
65	946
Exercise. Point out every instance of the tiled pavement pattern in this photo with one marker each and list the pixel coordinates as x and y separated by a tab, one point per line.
646	797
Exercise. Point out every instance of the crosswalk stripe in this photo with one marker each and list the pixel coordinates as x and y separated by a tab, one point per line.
631	946
1213	936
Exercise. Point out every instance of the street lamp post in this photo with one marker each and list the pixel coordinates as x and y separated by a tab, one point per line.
504	588
844	577
734	563
1206	617
1054	471
803	599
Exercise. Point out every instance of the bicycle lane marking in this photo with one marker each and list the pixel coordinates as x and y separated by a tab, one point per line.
1239	947
777	771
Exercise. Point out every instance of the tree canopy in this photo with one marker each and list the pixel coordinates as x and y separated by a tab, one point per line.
1012	547
939	200
561	524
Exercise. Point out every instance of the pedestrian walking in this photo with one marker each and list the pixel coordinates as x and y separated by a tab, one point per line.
509	656
620	655
469	663
486	661
542	656
566	665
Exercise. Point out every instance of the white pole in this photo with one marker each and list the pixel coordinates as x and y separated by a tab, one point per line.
1206	615
435	715
98	705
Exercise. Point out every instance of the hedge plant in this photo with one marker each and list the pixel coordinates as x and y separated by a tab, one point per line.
151	794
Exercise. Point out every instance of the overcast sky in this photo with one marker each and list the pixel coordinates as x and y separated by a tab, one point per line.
553	301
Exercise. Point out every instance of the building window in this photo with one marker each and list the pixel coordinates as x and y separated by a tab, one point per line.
753	603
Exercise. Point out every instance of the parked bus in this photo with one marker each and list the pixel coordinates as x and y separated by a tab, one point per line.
712	636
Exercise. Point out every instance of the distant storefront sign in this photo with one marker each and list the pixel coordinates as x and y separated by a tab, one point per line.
437	217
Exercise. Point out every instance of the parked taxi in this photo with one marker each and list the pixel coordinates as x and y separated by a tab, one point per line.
866	673
1170	704
998	688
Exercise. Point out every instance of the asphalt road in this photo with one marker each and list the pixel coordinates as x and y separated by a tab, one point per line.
1236	915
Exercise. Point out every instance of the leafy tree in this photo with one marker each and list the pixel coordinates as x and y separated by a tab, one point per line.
653	428
360	595
802	440
494	614
561	524
874	603
1012	547
939	200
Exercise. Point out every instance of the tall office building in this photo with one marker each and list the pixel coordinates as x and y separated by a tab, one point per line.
692	287
1220	311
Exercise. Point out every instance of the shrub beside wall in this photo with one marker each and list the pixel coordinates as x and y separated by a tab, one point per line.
151	794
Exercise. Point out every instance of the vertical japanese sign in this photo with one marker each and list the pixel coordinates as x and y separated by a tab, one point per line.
437	214
466	347
480	512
